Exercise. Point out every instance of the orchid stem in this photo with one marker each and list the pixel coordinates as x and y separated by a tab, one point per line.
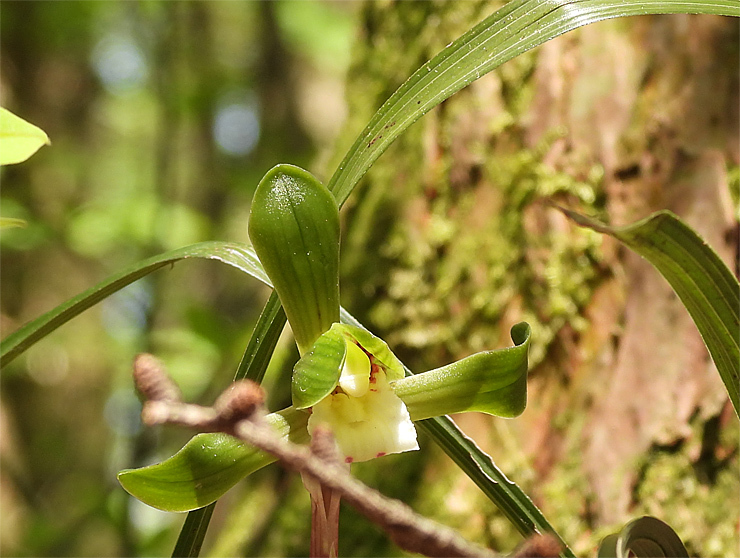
324	518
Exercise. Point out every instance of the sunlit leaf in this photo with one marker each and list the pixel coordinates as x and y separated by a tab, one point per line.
516	28
294	228
238	255
705	285
645	537
18	139
207	467
493	382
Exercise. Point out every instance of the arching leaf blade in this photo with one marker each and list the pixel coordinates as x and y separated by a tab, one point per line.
237	255
705	285
514	29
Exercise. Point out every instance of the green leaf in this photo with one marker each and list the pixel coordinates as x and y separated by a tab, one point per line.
480	468
645	537
252	367
238	255
207	467
705	285
493	382
516	28
317	373
193	532
18	139
263	341
294	228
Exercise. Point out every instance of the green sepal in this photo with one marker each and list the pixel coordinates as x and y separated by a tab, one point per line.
294	228
644	537
493	382
377	348
317	373
207	467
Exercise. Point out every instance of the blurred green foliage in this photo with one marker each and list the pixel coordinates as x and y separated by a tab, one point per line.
163	116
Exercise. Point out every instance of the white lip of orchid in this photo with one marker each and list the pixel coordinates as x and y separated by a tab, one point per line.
367	418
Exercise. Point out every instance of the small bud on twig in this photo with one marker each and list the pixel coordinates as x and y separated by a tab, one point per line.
152	381
239	401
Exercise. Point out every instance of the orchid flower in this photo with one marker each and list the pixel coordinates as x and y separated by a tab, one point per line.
347	379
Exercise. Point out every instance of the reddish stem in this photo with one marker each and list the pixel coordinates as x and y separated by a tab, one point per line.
324	519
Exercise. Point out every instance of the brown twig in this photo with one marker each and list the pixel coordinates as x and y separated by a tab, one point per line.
238	412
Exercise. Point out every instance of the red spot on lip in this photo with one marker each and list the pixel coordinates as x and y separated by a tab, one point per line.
381	454
349	459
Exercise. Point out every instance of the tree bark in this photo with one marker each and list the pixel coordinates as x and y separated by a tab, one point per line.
448	244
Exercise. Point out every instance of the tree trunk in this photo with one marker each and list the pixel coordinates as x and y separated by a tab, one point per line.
448	244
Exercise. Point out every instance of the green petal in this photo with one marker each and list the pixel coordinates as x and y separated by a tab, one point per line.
206	467
294	228
493	382
317	373
378	349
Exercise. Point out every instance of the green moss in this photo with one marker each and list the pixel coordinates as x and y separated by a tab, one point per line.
446	233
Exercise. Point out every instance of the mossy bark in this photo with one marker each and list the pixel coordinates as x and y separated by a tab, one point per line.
448	243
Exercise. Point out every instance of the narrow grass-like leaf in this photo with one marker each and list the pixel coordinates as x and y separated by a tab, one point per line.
238	255
700	278
193	532
262	343
516	28
252	366
478	465
18	139
645	537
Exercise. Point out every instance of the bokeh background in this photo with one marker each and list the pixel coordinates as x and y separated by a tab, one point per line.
164	115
